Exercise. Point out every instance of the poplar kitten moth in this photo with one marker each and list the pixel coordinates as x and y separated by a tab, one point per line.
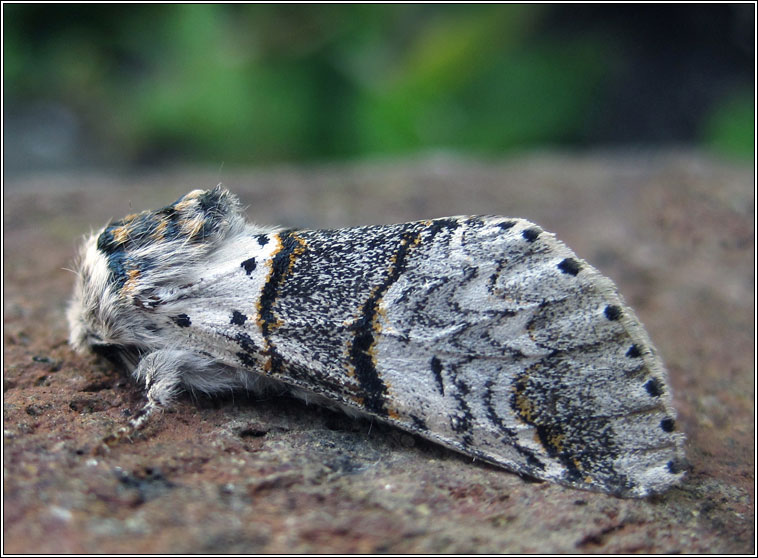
484	334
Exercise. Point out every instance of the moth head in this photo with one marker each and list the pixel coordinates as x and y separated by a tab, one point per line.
94	309
120	268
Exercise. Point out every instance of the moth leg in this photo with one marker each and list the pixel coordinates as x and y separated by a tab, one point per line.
166	372
162	373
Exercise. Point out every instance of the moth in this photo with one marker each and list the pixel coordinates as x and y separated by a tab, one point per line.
484	334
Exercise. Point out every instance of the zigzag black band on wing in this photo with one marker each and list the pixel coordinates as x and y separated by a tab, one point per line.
361	348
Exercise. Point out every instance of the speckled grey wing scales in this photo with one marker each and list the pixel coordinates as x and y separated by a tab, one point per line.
486	335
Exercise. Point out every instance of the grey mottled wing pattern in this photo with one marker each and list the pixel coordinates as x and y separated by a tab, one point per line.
484	334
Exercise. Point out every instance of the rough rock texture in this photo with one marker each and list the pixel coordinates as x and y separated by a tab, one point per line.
675	231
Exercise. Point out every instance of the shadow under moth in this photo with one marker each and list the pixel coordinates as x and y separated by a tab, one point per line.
484	334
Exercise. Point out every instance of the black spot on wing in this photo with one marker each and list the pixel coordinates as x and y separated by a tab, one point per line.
654	387
613	312
570	266
238	318
248	265
531	234
668	424
182	320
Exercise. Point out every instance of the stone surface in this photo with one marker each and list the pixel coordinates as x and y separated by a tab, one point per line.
674	230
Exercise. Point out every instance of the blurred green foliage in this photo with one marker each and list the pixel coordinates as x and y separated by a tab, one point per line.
730	130
252	83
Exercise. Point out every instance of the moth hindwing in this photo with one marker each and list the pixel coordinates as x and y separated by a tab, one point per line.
484	334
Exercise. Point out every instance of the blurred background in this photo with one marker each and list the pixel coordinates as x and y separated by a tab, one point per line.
142	85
